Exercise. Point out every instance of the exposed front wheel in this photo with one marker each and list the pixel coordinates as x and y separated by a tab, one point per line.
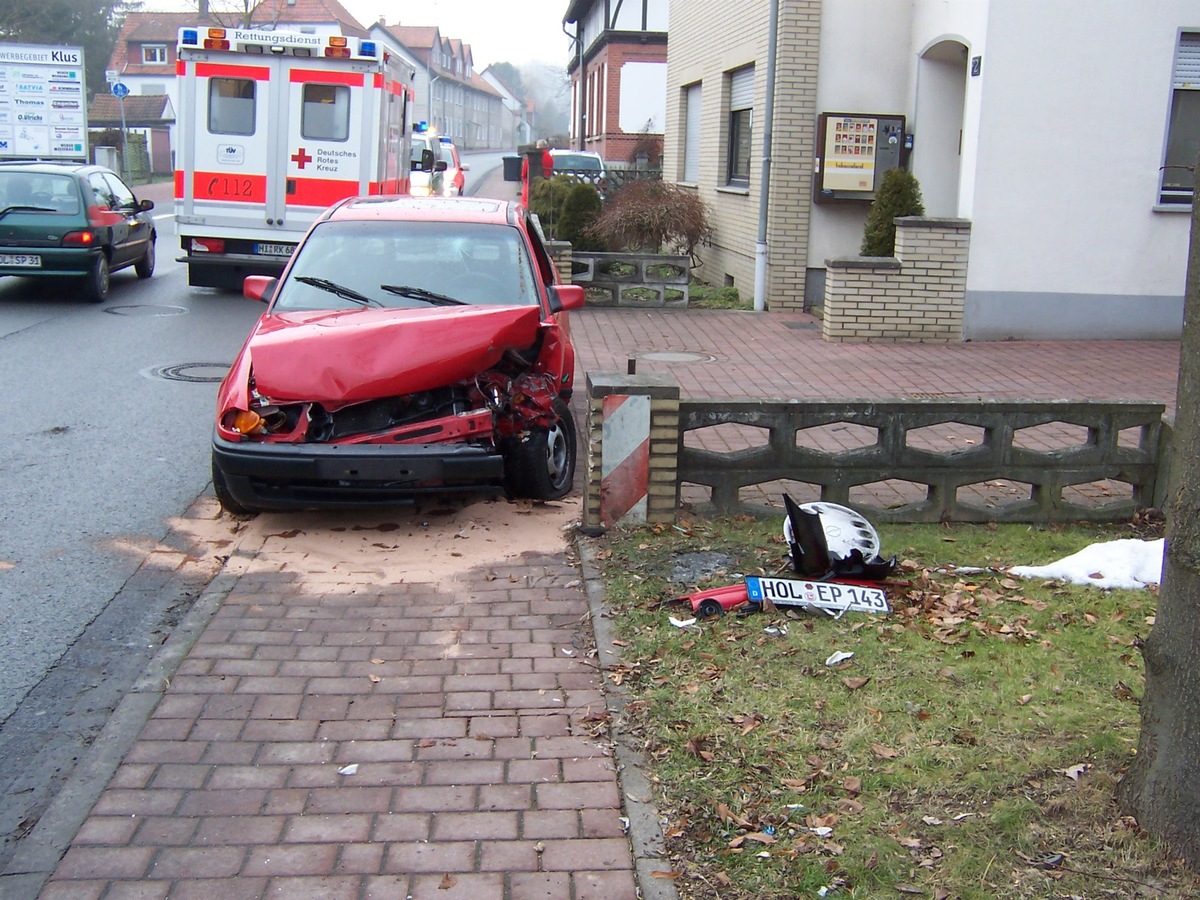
95	283
540	464
710	608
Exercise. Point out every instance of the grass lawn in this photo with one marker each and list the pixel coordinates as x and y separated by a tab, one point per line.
969	748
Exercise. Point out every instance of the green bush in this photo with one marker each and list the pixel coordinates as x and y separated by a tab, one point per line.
579	210
899	195
546	201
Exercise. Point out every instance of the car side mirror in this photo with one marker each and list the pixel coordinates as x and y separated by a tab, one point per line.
259	287
146	205
565	297
466	167
439	166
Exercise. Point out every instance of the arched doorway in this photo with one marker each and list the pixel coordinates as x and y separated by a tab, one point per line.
938	127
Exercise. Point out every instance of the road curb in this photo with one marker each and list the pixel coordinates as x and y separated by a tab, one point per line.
645	831
43	848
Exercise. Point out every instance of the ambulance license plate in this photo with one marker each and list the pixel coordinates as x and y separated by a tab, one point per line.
21	260
274	249
827	595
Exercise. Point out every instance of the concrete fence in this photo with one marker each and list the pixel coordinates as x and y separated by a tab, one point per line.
894	460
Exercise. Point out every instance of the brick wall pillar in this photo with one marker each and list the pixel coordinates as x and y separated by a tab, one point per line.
918	295
632	450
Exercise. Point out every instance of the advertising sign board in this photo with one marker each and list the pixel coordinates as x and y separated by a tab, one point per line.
43	102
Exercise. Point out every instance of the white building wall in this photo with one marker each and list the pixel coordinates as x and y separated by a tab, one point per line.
865	68
643	96
1066	240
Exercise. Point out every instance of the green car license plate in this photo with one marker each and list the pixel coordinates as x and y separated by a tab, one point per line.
21	260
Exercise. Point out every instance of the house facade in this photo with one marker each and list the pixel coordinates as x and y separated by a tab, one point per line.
145	52
515	129
618	75
1079	229
450	96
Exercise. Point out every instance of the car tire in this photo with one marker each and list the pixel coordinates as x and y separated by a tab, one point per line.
145	266
540	464
710	608
226	499
96	282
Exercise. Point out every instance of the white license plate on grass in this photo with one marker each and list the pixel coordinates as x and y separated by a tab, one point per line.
21	260
826	595
274	249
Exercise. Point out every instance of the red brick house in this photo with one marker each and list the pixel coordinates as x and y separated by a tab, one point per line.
618	77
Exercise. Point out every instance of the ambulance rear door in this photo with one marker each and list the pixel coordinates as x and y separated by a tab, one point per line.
328	136
231	101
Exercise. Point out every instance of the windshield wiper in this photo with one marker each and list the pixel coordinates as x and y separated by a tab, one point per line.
340	289
4	212
416	293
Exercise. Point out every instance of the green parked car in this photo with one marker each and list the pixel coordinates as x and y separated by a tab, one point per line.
69	220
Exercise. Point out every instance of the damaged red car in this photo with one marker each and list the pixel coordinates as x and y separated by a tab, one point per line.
412	345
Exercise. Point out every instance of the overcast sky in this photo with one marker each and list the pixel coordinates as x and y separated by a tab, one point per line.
515	31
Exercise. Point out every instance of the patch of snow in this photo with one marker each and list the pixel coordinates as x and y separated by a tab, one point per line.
1126	563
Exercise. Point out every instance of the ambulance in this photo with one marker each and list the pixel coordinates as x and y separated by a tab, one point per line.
273	127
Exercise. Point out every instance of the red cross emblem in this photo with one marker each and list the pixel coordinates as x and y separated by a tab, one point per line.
300	158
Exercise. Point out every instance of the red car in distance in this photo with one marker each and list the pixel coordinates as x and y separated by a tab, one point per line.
412	345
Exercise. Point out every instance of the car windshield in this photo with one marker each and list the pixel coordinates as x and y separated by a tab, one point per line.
576	161
42	192
418	265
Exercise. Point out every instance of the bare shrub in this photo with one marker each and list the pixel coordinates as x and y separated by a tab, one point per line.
652	216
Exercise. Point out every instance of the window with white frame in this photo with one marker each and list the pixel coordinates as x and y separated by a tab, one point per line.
691	134
1183	128
741	118
154	54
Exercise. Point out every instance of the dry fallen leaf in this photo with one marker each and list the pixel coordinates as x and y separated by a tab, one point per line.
885	752
448	881
669	875
855	683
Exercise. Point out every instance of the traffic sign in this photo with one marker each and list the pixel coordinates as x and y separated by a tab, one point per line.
111	75
120	91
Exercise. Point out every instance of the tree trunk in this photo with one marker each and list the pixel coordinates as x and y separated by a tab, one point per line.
1162	787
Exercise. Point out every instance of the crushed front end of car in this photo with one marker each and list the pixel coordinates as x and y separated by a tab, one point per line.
371	407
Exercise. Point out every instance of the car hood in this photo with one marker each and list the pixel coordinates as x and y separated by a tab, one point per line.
352	355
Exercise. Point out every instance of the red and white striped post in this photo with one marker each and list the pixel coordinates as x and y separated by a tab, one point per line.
633	448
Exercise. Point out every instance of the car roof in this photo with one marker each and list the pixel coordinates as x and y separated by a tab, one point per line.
49	168
425	209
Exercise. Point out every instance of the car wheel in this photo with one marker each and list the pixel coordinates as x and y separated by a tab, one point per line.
710	608
540	464
226	499
145	266
95	283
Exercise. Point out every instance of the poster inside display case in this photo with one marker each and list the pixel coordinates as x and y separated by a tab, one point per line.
853	152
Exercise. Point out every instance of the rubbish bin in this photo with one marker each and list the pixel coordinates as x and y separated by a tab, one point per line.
512	168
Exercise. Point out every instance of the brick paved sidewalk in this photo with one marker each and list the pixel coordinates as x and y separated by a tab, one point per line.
470	710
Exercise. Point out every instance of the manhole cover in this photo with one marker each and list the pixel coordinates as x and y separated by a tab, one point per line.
196	373
676	356
146	310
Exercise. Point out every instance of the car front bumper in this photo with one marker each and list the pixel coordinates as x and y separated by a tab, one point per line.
277	476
